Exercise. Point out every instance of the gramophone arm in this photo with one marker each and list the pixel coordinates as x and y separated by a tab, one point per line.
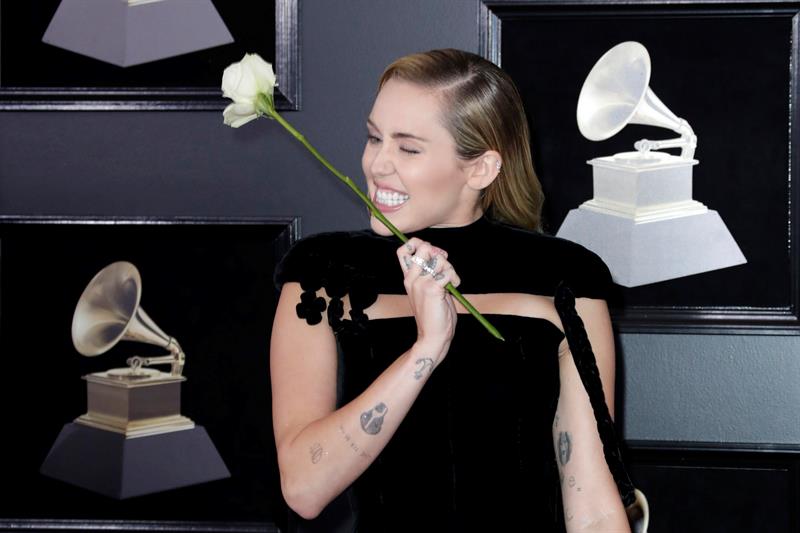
176	358
687	141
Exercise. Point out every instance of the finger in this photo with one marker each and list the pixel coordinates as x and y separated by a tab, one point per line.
406	252
435	250
430	267
421	256
437	261
411	246
447	275
426	261
423	267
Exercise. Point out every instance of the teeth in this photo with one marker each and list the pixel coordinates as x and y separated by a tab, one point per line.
390	197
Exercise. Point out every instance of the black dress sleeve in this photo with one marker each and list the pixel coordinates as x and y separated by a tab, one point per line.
589	277
306	262
327	260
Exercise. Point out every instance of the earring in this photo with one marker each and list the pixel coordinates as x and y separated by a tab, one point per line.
498	164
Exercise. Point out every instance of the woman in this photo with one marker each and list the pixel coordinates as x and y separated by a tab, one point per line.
409	415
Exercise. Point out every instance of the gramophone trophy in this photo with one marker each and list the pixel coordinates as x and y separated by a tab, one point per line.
132	440
642	220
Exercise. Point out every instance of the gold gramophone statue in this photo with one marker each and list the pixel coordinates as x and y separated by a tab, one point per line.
133	432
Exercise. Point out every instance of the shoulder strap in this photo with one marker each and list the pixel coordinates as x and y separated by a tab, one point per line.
583	356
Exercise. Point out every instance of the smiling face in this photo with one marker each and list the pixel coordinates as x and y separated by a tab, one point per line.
414	175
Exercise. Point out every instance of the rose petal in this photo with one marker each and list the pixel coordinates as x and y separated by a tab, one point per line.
239	82
262	70
230	80
247	90
236	115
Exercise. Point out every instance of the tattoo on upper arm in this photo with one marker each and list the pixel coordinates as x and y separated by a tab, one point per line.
424	366
316	452
564	447
372	420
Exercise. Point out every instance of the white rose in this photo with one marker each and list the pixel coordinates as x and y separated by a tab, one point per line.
250	84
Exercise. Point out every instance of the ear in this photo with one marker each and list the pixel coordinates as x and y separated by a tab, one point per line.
484	169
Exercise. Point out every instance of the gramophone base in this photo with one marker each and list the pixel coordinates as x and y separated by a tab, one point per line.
108	463
128	34
642	253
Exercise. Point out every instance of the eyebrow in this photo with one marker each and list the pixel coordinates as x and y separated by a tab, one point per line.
399	134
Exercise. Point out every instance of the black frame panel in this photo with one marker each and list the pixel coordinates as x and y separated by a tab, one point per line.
141	87
760	297
208	282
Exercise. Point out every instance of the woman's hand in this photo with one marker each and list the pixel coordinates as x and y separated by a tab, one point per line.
426	272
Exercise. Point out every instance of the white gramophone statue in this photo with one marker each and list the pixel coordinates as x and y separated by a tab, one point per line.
133	439
642	220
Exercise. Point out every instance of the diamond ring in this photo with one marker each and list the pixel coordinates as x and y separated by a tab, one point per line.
424	265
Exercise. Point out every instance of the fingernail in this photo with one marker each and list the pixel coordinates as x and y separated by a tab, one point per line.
409	247
407	261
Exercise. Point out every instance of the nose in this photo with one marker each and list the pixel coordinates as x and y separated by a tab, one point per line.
382	163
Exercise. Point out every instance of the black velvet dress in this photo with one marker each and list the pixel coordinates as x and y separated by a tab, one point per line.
475	452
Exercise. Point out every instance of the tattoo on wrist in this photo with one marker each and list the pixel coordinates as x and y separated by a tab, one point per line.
372	420
316	452
424	367
564	447
353	446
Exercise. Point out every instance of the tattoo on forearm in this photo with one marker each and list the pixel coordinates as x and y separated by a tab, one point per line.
564	447
424	366
555	421
352	443
570	482
316	452
568	514
372	420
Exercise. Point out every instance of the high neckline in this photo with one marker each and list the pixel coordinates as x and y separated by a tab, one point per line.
474	226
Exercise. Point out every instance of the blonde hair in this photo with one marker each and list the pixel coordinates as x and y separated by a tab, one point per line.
482	110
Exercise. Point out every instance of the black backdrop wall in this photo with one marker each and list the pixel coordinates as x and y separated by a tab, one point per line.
726	390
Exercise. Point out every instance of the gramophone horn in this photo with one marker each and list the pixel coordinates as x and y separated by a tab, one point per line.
108	311
616	93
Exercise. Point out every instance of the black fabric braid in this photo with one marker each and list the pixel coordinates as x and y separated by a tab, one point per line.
585	362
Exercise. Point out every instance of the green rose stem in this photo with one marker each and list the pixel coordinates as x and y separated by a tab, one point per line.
265	108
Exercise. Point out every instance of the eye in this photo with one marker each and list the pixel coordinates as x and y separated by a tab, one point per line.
409	150
372	139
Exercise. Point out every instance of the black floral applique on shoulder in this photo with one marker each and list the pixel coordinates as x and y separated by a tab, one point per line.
311	262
